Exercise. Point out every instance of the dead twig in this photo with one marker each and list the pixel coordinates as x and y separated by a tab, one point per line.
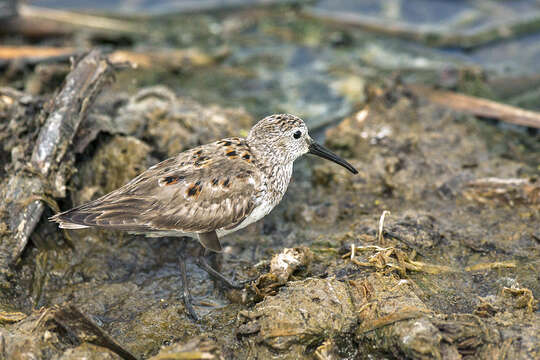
79	19
381	226
33	56
68	110
11	317
406	313
508	190
80	327
448	35
391	259
492	265
478	106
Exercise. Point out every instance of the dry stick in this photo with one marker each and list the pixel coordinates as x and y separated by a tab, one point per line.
428	34
163	57
80	327
26	52
381	226
69	109
79	19
33	55
479	106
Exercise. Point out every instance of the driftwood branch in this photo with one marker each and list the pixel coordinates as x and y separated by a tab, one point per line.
69	108
450	34
478	106
35	54
148	58
79	19
80	327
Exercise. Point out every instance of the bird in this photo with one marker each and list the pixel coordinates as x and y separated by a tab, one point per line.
206	192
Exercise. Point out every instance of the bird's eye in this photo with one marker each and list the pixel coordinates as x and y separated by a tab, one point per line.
297	134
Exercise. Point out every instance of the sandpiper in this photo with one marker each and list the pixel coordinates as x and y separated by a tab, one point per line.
206	192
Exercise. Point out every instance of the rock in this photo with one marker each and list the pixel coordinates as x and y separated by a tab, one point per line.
88	351
199	347
176	124
301	315
115	162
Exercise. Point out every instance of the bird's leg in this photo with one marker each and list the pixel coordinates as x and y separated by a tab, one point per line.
186	294
214	259
202	262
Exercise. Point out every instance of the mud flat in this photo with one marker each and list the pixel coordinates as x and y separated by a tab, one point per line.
431	251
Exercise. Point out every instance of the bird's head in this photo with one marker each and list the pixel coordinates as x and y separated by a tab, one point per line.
285	137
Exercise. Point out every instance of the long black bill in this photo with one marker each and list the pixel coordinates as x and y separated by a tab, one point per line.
319	150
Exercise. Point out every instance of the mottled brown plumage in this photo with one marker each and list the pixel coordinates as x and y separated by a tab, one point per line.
190	193
207	191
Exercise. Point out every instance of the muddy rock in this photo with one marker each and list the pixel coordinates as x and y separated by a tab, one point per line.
19	126
199	347
416	230
492	331
115	162
90	352
450	273
301	316
62	332
393	316
175	124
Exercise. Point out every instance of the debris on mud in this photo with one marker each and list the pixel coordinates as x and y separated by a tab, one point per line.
451	274
507	191
196	348
301	315
175	124
51	331
282	266
46	172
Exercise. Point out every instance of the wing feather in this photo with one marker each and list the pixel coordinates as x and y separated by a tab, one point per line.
200	190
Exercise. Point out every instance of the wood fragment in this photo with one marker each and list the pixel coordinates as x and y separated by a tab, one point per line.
28	53
68	110
506	190
492	265
171	59
167	58
404	314
380	236
34	28
79	19
435	35
71	105
34	55
80	327
11	317
478	106
187	355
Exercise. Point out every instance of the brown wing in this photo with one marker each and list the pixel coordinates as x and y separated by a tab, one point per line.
207	188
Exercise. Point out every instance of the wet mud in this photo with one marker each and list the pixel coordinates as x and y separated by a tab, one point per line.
431	252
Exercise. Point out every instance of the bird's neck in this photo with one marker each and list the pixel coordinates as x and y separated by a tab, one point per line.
277	173
279	178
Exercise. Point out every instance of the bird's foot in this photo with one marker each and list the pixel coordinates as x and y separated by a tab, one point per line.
188	304
202	262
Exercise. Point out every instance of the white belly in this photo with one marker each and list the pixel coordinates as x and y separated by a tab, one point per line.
257	214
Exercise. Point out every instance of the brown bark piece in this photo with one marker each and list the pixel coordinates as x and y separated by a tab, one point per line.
479	106
69	108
